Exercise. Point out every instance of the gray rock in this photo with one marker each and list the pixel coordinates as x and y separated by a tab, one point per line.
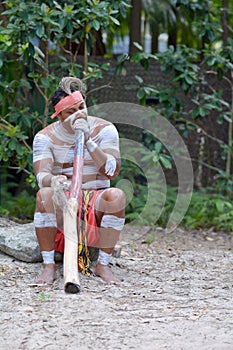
19	241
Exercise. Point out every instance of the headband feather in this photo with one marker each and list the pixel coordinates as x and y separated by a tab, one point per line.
66	82
73	97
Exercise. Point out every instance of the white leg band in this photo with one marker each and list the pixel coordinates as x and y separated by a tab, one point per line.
45	220
104	258
112	221
48	257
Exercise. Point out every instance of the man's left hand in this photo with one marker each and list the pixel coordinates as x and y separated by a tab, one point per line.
82	124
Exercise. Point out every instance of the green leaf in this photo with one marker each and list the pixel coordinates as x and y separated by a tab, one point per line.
189	80
156	158
114	20
43	8
158	147
139	79
165	161
95	24
40	30
138	46
25	83
45	82
140	93
145	63
12	144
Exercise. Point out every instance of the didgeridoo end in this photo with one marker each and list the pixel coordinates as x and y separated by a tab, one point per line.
72	288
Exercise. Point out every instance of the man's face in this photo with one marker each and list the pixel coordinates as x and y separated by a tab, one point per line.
78	107
69	115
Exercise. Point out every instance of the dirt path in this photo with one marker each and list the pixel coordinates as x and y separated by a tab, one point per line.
176	294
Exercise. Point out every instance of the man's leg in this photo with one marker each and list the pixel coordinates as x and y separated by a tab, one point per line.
46	229
110	216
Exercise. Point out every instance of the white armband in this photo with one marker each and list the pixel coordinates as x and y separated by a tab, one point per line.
39	177
110	165
91	145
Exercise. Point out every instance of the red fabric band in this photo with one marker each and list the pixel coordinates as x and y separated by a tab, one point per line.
67	102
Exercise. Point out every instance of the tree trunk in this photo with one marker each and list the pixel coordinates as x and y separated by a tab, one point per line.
172	31
135	25
172	37
154	37
225	20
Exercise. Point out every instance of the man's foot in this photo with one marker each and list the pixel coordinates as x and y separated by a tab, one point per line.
106	274
47	275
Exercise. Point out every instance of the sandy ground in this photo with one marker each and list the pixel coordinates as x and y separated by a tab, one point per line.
176	293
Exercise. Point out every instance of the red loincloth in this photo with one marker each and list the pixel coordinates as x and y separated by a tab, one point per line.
86	214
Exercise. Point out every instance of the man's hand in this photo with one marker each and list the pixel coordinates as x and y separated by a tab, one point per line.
82	124
59	182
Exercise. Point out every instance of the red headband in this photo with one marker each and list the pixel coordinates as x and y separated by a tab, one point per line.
67	102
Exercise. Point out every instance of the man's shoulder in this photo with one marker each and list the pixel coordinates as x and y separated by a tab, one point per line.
102	127
98	121
47	130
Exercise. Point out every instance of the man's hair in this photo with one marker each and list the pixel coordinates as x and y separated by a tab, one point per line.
58	94
65	88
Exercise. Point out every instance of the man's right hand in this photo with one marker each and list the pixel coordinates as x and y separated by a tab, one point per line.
82	124
60	182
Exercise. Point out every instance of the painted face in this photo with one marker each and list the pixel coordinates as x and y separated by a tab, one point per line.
78	107
69	115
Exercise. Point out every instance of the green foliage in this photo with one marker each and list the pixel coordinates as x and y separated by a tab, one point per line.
33	35
189	70
182	65
146	198
188	78
35	51
209	210
44	296
19	207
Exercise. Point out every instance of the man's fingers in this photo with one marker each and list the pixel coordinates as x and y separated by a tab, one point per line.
82	124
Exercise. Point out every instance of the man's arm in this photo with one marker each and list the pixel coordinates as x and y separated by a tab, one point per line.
107	161
106	154
42	171
42	160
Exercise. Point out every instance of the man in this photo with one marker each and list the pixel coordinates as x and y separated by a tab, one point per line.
53	153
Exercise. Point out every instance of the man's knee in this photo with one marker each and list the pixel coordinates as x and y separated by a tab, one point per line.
43	198
114	194
111	201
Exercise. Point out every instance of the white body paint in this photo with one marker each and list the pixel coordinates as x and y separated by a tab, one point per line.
56	145
104	258
48	257
112	221
45	220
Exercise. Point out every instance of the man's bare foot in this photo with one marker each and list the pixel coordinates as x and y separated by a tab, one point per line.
106	274
47	275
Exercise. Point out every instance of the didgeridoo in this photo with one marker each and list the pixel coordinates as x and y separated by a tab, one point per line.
70	269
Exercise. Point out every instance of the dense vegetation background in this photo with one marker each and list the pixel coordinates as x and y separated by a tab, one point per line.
44	40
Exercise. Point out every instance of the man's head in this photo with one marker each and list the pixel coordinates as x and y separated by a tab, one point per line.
67	99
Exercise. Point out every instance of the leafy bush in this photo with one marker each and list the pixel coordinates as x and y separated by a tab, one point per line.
20	208
209	210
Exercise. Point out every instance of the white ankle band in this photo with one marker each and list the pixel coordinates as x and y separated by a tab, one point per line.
104	258
48	257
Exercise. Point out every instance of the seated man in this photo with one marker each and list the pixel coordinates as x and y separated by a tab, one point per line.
53	155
